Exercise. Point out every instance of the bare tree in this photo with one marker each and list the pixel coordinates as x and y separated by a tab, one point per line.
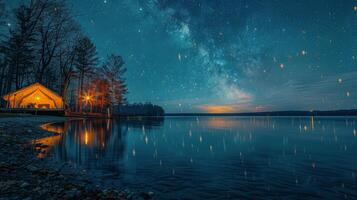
54	27
66	58
23	42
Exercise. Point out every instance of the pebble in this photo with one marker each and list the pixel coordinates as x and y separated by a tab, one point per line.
31	168
147	195
72	193
24	184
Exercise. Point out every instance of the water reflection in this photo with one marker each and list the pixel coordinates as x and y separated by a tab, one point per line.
91	142
215	157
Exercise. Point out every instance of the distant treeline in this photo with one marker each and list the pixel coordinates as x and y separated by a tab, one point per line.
352	112
139	109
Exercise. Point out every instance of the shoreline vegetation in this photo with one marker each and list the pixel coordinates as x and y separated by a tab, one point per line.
26	176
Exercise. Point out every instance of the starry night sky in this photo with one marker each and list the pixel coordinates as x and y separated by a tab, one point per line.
230	55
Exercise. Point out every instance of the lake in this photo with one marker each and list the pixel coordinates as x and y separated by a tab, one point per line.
215	157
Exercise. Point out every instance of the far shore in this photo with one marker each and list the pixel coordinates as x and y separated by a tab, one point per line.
287	113
25	176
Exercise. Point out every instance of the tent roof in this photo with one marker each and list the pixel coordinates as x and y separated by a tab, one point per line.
29	87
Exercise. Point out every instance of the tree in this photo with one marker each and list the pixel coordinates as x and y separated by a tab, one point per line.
19	51
99	93
114	70
54	28
45	45
66	57
146	109
41	30
2	13
85	61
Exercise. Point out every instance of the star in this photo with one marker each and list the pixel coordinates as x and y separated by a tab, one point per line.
207	59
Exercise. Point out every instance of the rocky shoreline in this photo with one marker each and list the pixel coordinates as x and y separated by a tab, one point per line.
24	176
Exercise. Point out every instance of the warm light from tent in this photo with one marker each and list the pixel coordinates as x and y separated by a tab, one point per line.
86	137
37	98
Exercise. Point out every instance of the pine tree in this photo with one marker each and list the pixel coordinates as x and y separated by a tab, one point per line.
19	52
85	61
114	70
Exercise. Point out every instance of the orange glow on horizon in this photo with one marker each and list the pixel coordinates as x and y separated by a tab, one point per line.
232	108
219	108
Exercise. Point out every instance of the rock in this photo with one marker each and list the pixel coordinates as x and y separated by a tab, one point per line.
5	185
31	168
130	195
147	195
71	194
37	189
29	131
24	184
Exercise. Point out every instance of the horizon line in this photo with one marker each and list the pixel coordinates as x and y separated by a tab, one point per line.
340	112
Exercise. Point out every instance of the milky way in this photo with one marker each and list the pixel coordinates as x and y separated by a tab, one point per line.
230	55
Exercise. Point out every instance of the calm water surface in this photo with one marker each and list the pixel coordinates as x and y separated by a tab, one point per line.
215	157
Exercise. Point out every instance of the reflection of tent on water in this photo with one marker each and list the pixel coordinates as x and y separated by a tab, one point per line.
34	96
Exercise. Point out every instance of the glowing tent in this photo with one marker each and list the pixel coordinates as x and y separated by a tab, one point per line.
34	96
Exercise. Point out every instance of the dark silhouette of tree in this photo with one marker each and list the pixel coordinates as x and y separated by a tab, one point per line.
34	47
46	45
66	58
3	27
113	70
146	109
2	14
19	50
54	27
85	61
